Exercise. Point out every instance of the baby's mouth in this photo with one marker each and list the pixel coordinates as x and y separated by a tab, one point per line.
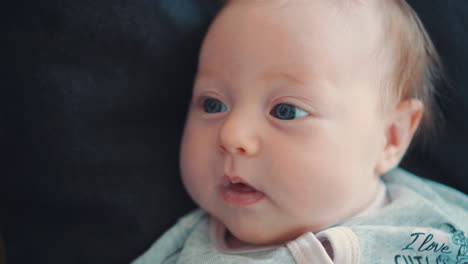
241	187
236	191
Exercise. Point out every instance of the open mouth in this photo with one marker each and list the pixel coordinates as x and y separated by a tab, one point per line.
241	188
236	191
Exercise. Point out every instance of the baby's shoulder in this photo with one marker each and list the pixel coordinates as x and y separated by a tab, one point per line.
413	195
399	178
168	247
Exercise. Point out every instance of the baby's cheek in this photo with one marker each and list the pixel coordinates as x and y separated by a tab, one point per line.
194	180
190	161
197	166
309	182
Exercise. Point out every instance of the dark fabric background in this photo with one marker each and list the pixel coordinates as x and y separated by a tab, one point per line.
92	104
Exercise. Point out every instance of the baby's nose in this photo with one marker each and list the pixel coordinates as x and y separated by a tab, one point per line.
238	135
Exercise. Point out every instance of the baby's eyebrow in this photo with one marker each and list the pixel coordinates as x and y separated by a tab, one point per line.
207	74
281	76
210	78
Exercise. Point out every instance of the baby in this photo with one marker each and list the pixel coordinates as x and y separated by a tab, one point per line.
301	111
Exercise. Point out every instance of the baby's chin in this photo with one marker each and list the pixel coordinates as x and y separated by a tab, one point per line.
262	229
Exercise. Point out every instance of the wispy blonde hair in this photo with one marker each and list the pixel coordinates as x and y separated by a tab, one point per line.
418	66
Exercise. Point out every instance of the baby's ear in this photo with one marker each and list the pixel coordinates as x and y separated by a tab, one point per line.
399	130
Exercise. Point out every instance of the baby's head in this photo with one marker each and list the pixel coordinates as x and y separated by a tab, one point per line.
298	107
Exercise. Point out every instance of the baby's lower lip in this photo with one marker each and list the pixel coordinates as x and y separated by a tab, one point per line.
241	195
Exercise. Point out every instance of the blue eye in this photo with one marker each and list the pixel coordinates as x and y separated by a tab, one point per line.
212	105
287	112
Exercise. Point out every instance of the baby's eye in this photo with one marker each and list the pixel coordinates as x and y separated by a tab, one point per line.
212	105
287	112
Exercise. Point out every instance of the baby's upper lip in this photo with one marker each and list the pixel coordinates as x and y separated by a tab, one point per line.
233	179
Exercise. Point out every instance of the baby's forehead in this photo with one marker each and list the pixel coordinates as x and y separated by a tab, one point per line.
332	40
346	25
327	37
338	15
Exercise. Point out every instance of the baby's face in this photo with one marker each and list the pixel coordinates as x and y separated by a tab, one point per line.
284	130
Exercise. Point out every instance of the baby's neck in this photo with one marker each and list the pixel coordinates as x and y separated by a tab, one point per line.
232	241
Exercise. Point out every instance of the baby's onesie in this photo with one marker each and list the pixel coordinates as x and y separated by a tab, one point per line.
416	222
